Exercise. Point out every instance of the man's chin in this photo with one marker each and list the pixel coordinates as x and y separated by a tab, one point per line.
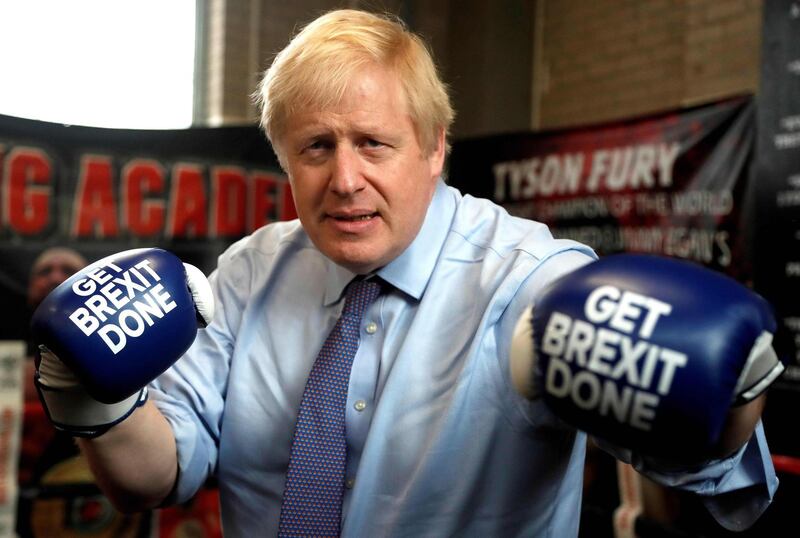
359	263
360	255
359	267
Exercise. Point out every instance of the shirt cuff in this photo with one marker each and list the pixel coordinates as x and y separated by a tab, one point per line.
193	459
735	490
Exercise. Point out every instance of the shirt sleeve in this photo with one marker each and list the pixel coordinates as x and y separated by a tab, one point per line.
736	490
532	283
191	394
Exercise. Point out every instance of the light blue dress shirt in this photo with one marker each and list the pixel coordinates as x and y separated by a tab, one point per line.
439	443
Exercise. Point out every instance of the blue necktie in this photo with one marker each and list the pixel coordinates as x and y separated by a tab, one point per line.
312	498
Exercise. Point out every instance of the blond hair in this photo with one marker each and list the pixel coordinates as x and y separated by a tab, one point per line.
319	62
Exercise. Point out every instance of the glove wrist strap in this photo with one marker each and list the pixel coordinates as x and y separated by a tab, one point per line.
80	415
761	368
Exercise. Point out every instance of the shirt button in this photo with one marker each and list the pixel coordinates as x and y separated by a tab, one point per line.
360	405
349	483
372	327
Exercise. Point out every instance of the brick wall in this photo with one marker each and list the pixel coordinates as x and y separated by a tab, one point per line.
241	38
608	59
592	60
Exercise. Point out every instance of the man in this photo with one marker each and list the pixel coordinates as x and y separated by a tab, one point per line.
50	269
438	443
58	491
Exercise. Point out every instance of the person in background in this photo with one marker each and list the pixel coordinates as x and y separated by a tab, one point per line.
58	495
50	268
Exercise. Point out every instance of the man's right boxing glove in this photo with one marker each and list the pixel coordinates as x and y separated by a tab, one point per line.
109	330
649	353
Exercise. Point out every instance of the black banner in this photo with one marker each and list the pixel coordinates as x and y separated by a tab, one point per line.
673	184
99	191
778	212
692	184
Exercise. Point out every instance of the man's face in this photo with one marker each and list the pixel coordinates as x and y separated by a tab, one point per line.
50	271
361	182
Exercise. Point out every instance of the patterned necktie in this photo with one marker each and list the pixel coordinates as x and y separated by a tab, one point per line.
312	499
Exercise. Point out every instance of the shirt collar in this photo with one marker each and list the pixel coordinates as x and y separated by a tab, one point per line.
411	271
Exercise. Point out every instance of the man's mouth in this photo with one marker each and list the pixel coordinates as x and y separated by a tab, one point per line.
359	217
355	218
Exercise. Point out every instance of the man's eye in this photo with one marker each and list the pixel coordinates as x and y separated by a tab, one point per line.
372	143
317	145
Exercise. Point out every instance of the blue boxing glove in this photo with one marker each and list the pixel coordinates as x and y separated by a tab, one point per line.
646	352
110	329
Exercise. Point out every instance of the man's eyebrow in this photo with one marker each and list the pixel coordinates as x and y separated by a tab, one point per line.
313	130
305	135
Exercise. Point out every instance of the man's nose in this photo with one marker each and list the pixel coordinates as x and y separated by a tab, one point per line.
56	277
346	175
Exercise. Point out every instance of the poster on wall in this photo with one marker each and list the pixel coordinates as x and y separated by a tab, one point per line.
12	357
191	191
97	192
777	174
673	184
684	184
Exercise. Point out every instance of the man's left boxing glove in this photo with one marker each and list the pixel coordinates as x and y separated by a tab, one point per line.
647	352
109	330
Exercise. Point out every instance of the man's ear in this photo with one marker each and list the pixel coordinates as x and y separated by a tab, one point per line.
436	158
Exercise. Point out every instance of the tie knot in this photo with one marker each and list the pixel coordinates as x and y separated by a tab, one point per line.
360	295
